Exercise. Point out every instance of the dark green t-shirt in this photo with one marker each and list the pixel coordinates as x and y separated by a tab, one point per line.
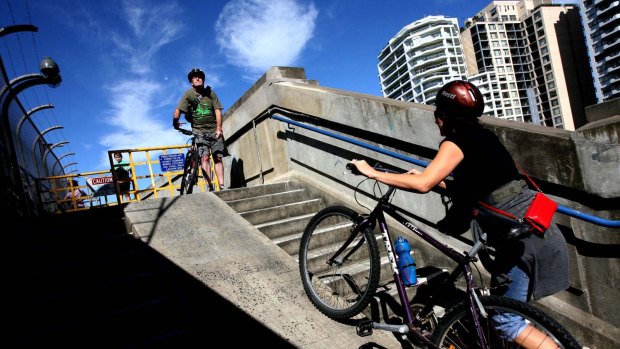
199	109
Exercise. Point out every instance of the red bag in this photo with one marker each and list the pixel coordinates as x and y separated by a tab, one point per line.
540	213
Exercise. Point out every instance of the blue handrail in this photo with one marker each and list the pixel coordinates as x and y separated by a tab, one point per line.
562	209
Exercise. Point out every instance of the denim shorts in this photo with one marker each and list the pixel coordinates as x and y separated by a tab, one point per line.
508	324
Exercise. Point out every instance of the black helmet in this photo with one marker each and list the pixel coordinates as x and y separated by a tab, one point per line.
459	99
195	72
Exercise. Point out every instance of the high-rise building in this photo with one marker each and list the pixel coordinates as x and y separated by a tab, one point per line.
601	19
537	53
420	58
528	57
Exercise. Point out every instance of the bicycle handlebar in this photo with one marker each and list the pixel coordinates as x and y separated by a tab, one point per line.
351	167
185	131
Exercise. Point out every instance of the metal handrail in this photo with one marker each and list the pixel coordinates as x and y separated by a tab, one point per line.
562	209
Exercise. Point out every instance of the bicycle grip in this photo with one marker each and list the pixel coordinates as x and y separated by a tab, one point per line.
351	167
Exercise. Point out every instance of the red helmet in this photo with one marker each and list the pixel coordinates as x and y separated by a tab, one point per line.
459	99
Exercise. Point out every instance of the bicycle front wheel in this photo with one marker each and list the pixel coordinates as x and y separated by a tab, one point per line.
190	173
340	286
457	330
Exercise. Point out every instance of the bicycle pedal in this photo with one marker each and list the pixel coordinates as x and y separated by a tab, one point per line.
364	328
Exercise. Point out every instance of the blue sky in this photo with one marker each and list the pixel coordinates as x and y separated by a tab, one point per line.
124	62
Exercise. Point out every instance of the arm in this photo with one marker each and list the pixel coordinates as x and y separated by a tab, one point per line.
446	160
176	116
218	123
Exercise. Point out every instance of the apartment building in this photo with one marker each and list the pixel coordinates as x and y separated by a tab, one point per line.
528	57
601	20
420	58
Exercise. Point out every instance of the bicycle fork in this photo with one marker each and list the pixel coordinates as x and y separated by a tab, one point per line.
364	328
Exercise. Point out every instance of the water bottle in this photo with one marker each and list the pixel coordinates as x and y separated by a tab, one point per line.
406	264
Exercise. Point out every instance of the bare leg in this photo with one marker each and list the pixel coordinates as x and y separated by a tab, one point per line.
219	170
531	338
205	161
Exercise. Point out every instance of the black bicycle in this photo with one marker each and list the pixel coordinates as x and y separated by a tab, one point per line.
340	265
191	167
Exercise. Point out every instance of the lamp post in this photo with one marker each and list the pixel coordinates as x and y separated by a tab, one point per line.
50	75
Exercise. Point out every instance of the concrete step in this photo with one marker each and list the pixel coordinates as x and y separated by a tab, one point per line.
280	212
268	200
258	190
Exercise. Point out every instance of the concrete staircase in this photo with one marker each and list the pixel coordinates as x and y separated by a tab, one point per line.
281	211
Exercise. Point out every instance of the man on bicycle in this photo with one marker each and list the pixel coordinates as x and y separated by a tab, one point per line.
203	110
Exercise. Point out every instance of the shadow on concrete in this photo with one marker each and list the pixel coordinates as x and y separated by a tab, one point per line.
78	280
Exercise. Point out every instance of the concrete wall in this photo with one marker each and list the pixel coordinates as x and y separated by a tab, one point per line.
580	169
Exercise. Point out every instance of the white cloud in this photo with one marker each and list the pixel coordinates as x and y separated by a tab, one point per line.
134	95
258	34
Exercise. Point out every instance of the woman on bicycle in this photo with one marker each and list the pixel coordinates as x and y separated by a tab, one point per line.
529	267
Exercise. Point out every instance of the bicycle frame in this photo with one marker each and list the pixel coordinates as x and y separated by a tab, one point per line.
384	207
197	161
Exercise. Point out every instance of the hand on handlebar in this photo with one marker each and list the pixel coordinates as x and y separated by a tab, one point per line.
359	167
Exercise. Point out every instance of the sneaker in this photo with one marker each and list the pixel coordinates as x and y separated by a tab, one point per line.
222	187
210	187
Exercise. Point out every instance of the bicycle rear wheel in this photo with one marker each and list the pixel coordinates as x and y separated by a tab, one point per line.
190	173
456	328
342	288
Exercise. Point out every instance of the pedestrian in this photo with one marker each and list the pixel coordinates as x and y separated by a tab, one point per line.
75	197
203	110
123	175
531	266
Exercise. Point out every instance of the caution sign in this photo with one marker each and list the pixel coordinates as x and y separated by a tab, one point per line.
101	186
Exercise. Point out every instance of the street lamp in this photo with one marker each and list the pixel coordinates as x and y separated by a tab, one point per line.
50	75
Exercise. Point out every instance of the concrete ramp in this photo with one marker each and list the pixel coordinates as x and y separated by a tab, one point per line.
243	268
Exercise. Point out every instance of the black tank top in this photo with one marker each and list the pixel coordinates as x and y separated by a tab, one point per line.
486	166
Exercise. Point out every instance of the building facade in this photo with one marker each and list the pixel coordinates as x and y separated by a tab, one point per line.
528	57
601	21
420	58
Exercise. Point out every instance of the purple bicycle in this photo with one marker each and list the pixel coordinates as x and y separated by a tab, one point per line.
340	266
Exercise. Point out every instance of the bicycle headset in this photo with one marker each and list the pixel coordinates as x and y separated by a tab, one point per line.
459	99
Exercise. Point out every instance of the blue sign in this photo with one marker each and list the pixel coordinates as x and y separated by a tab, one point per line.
172	162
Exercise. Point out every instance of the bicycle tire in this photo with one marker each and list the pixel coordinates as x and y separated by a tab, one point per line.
190	174
455	328
343	290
